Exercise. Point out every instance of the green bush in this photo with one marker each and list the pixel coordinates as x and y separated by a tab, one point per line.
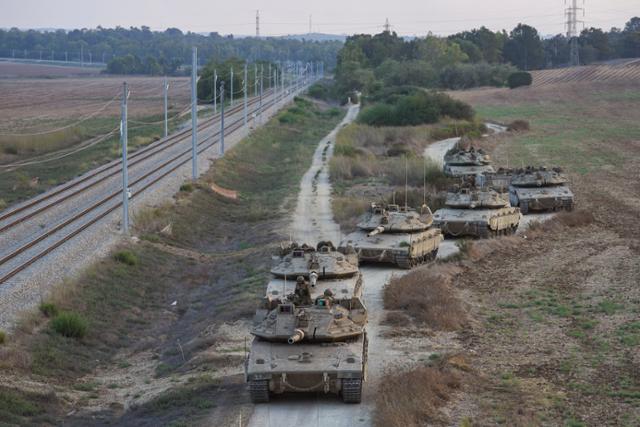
69	324
187	188
378	115
519	79
3	337
319	91
48	309
416	109
126	257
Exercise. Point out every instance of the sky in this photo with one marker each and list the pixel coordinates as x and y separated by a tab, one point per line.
280	17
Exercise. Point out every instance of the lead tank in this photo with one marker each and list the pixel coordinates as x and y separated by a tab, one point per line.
310	329
390	234
460	162
540	189
477	212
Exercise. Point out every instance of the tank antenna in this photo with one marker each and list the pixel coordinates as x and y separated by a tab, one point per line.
424	183
406	181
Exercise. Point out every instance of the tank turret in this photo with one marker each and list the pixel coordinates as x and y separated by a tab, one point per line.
299	318
391	234
477	212
394	219
473	197
538	177
540	189
469	157
321	262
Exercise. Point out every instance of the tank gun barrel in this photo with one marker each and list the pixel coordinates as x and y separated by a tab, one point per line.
376	231
298	335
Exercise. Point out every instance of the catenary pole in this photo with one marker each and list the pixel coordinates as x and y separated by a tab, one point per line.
244	90
215	91
222	118
165	87
231	89
194	113
125	172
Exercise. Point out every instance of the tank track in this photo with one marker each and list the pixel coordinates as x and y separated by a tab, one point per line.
524	207
259	391
352	390
567	205
408	263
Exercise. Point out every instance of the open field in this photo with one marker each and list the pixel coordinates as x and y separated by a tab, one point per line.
30	70
555	338
619	71
76	119
38	105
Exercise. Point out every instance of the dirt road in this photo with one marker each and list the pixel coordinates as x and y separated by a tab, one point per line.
313	221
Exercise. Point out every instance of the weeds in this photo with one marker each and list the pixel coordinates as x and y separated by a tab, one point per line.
187	187
70	325
126	257
49	309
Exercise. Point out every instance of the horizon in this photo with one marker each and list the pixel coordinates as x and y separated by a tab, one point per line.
285	18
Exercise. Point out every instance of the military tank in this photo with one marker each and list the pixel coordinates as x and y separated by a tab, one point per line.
464	162
540	189
390	234
309	332
477	212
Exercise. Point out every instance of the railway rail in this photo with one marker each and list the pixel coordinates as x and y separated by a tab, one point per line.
56	236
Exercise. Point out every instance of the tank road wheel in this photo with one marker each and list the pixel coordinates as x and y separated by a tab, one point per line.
259	391
352	390
403	261
484	232
524	207
567	205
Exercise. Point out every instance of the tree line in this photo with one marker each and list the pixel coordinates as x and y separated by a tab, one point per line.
479	57
143	51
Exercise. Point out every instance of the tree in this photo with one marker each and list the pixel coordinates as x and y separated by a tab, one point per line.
594	45
524	48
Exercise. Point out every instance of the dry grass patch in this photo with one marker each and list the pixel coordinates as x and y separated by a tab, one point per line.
414	397
427	296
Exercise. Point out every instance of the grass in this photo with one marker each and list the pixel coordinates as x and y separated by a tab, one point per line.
29	180
70	325
49	309
558	134
126	257
17	406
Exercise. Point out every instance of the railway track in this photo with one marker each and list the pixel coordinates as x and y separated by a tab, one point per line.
110	169
47	241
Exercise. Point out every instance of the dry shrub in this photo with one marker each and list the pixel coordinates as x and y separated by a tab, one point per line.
428	297
577	218
562	220
477	250
347	210
151	220
413	397
340	168
518	126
